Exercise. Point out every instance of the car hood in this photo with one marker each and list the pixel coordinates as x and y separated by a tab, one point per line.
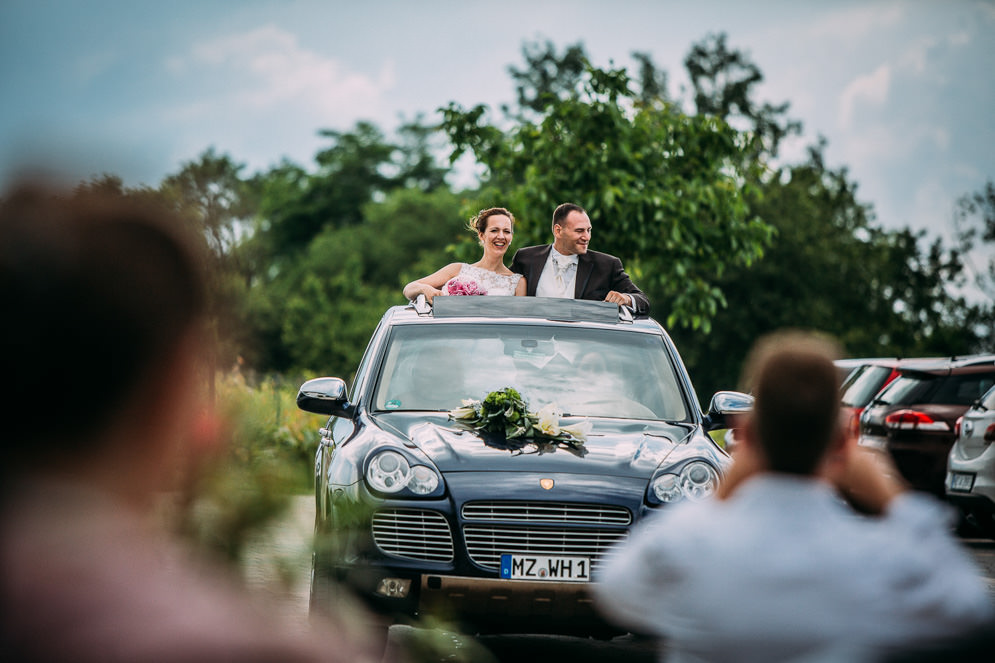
619	447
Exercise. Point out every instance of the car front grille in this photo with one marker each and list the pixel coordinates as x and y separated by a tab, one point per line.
530	528
413	534
547	512
486	543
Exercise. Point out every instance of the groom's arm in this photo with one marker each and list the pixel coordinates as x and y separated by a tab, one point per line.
620	282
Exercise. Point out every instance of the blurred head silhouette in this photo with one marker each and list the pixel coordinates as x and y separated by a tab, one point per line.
103	298
796	386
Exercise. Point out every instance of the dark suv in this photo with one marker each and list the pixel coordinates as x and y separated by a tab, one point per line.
424	516
914	417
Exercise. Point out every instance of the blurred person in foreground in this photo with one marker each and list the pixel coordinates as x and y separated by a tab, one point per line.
104	302
776	567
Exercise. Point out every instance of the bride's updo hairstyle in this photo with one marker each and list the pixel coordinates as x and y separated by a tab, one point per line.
478	224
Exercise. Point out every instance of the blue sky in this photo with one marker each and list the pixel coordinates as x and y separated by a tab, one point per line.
902	90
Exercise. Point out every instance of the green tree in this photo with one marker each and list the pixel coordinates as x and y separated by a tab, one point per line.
407	235
547	76
881	292
665	191
723	81
319	311
297	206
213	195
418	166
211	192
974	222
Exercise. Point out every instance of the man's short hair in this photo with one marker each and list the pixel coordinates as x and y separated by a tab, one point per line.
796	415
563	210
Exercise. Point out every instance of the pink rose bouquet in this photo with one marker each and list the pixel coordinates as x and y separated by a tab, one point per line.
458	286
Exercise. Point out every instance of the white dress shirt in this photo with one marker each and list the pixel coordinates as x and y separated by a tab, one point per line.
783	571
559	276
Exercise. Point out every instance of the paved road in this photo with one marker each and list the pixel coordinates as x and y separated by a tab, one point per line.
278	565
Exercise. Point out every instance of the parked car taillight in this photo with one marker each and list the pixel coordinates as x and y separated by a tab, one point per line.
913	420
957	426
989	433
853	425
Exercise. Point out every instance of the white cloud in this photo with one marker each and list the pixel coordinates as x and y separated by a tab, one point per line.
267	69
856	23
882	142
870	88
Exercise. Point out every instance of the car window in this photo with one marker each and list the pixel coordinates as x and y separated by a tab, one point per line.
954	389
908	388
583	371
863	384
964	389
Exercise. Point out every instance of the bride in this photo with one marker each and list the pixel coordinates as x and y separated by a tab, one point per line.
487	276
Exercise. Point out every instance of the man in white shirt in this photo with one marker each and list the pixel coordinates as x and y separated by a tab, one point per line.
777	567
567	268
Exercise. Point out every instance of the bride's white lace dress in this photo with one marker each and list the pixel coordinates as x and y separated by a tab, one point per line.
491	283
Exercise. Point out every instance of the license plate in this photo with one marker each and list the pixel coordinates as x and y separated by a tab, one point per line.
961	482
545	567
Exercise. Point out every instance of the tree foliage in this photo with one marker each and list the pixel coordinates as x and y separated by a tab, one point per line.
880	292
306	258
974	221
724	80
547	76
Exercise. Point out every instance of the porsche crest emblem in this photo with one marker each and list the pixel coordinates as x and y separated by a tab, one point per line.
547	484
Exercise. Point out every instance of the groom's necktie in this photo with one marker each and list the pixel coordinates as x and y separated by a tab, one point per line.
562	265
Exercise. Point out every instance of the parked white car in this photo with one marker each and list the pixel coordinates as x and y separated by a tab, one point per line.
970	481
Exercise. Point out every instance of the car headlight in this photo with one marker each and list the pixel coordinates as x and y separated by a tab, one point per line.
423	480
696	481
390	472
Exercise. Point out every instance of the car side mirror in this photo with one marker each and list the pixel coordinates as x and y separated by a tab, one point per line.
325	396
724	405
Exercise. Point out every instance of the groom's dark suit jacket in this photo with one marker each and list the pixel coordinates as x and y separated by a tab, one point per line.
597	274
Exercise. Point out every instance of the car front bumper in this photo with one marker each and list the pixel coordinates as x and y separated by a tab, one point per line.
499	605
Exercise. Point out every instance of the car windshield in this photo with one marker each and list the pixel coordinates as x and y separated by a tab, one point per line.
863	385
582	371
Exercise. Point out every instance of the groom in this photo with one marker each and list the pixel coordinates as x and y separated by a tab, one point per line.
566	268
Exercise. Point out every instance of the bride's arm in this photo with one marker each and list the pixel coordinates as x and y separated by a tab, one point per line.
429	285
521	288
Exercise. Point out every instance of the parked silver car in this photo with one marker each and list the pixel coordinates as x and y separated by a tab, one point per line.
970	481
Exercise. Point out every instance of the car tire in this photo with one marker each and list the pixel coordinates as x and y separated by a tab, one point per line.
983	522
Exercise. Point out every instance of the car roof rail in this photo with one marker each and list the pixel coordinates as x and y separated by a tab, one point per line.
972	360
421	305
549	308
